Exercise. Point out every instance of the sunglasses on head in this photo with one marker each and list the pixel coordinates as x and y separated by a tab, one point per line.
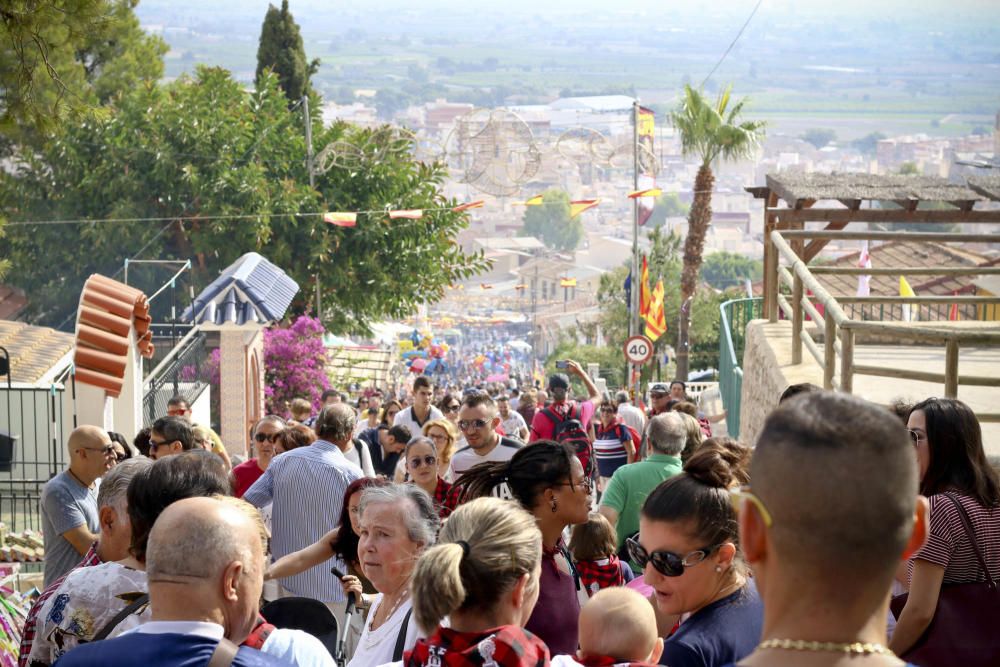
417	461
666	563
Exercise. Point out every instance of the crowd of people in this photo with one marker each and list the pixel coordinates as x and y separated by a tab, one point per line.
494	527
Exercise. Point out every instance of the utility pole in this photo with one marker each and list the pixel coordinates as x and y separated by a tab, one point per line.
635	327
309	140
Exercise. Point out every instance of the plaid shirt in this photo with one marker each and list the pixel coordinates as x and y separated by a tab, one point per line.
506	646
31	621
444	499
598	574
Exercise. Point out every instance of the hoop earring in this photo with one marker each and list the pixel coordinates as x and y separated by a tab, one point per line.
553	506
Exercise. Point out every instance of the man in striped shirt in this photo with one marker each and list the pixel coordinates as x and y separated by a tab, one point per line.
306	486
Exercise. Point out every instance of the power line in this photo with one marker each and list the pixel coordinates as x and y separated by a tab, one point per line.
733	43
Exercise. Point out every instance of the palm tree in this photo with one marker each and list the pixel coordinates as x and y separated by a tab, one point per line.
710	132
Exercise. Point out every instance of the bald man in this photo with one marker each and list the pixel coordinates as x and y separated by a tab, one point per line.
68	504
200	605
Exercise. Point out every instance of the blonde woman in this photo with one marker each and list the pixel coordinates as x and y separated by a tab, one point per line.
444	435
482	575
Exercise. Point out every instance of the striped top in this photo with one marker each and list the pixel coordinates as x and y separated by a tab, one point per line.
609	448
307	488
948	545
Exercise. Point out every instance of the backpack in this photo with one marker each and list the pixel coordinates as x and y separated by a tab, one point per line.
570	431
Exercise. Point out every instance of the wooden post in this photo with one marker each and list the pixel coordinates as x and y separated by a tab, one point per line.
829	354
797	319
951	369
770	262
847	361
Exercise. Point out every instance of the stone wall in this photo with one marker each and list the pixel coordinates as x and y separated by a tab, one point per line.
767	372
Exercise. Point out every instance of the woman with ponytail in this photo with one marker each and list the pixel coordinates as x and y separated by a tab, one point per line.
688	546
546	478
483	576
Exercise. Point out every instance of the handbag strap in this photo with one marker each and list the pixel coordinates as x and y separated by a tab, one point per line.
970	533
224	654
120	616
397	652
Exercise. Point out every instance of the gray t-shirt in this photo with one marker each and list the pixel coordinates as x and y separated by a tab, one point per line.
65	504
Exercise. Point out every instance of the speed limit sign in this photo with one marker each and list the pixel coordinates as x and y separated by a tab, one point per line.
638	350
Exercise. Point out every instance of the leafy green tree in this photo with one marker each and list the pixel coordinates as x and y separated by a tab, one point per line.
201	149
282	51
551	222
868	143
667	206
710	132
64	56
818	136
723	270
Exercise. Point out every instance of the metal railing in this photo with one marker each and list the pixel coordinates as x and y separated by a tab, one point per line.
838	333
734	317
184	372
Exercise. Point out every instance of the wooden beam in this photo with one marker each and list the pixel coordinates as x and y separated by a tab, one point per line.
889	236
759	192
770	305
908	270
816	246
851	204
925	376
883	215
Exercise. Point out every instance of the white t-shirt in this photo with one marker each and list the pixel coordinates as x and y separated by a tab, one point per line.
361	457
377	646
467	457
405	418
513	424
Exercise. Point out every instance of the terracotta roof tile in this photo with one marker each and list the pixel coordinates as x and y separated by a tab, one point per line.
33	350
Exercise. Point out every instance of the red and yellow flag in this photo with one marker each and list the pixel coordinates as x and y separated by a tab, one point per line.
656	320
580	205
412	214
567	282
650	192
340	219
469	205
534	201
644	297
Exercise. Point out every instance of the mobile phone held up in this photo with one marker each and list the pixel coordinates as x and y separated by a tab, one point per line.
562	365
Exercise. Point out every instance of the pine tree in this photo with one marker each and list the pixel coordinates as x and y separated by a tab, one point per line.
282	51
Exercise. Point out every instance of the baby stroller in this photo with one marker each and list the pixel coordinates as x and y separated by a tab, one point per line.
311	616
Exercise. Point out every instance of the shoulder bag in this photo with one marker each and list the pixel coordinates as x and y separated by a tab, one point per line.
964	628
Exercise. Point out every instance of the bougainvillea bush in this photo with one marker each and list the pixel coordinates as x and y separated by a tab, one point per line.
294	365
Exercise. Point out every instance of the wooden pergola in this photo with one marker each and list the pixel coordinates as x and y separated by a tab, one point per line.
801	193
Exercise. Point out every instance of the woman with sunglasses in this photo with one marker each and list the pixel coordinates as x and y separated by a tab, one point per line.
546	478
421	460
948	444
444	435
263	435
688	547
449	405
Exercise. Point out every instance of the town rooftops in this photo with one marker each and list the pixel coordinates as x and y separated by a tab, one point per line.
34	351
252	290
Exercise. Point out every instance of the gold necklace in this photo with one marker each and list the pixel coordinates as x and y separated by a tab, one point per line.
849	648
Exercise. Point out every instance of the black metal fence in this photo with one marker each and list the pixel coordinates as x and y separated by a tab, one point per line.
33	418
187	372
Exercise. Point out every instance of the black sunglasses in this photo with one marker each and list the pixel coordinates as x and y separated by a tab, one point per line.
261	437
428	460
666	563
452	408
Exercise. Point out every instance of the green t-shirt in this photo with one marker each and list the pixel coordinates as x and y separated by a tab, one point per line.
629	487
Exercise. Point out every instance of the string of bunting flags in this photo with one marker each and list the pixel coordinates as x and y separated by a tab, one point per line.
576	207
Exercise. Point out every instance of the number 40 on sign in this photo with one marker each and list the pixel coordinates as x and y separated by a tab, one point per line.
638	350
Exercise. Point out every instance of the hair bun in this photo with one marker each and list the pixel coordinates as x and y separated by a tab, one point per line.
720	463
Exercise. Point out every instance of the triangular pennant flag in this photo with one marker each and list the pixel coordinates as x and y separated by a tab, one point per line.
534	201
567	282
953	314
580	205
656	320
906	290
467	206
864	281
651	192
341	219
412	214
644	296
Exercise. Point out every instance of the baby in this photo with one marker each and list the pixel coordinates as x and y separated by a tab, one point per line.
617	627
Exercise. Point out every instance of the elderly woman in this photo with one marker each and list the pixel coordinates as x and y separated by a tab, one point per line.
688	547
957	480
546	478
264	434
397	523
482	575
